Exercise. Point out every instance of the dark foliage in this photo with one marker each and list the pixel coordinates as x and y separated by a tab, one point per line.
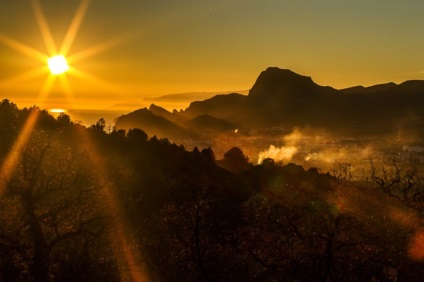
66	190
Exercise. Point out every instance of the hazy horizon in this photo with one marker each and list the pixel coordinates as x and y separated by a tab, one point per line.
89	113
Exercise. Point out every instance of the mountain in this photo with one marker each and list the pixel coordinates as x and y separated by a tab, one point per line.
219	106
153	125
370	89
203	124
389	108
283	98
157	121
161	112
276	88
190	96
210	125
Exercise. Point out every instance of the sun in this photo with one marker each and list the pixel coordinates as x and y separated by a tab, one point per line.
57	64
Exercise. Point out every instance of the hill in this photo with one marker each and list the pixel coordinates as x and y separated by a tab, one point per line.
209	125
153	125
219	106
370	89
159	111
189	96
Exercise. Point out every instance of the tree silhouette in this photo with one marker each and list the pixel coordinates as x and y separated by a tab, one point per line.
235	161
51	202
191	217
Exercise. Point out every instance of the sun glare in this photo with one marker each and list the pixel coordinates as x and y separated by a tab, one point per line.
57	64
57	111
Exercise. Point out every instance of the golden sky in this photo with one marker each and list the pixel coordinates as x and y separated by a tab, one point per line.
132	49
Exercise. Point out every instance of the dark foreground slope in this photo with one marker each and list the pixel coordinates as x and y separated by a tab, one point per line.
80	204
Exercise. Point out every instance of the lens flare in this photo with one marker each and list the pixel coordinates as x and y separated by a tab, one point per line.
416	249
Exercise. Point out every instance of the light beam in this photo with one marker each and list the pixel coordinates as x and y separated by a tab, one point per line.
23	49
74	27
34	73
44	28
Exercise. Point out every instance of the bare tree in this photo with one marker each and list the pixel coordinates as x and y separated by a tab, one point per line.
52	201
403	184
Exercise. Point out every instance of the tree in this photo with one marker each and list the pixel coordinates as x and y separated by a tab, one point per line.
235	161
402	183
51	203
9	117
99	126
137	135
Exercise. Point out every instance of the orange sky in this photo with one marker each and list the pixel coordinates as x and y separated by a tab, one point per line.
150	48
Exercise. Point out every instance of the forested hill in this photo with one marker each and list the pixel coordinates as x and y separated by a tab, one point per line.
80	204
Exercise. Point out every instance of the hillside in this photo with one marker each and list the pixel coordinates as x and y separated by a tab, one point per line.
219	106
209	125
152	125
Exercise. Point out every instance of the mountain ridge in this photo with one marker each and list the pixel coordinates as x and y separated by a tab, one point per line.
281	97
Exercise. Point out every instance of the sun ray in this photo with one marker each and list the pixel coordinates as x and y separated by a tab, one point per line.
130	268
89	52
11	159
67	89
128	261
24	49
44	28
95	81
34	73
45	90
74	27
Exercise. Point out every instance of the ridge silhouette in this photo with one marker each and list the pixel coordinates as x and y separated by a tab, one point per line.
281	97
